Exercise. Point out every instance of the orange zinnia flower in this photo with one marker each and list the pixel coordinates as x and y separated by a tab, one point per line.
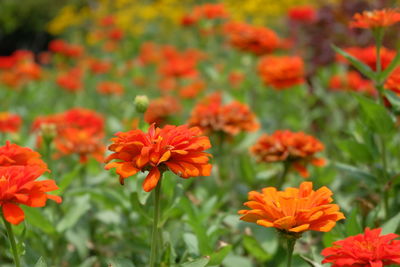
211	115
159	110
281	72
177	148
375	19
370	249
368	56
14	155
9	123
294	210
71	80
257	40
110	88
352	81
296	148
19	168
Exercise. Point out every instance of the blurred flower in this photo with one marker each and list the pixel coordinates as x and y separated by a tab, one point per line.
179	64
98	66
59	46
192	89
368	56
107	21
370	249
296	148
110	88
235	78
302	13
177	148
281	72
211	115
161	109
115	34
393	81
205	11
352	81
9	122
71	80
375	19
294	210
255	39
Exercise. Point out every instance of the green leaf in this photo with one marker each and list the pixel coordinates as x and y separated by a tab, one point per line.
120	262
357	151
392	225
360	66
197	263
217	257
69	178
81	206
352	225
355	172
393	98
254	248
237	261
41	263
375	116
389	69
35	217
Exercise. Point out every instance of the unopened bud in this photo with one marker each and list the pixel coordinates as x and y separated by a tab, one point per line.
48	131
141	103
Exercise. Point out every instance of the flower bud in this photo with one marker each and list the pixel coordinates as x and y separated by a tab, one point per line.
141	103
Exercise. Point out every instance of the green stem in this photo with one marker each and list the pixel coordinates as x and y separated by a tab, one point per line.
282	177
154	234
11	238
291	242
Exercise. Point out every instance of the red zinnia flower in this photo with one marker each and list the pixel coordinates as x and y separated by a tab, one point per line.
369	249
14	155
110	88
9	123
296	148
375	19
302	13
352	81
368	56
294	210
160	109
281	72
177	148
257	40
211	115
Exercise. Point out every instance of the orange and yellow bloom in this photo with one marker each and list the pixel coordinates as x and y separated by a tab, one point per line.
375	19
296	148
176	148
294	210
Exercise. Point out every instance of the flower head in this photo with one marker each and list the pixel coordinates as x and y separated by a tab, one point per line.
14	155
370	249
254	39
159	110
281	72
294	210
352	81
296	148
368	56
9	123
110	88
176	148
302	13
211	115
375	19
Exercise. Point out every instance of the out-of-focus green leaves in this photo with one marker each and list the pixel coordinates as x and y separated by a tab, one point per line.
217	257
80	206
375	116
357	151
254	248
41	263
197	263
391	225
36	217
388	70
360	66
352	225
393	98
120	262
355	172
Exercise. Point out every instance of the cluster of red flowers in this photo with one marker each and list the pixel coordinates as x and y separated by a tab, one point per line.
294	210
20	168
352	81
206	11
77	131
368	55
160	110
109	33
281	72
98	66
212	116
255	39
9	122
375	19
302	14
370	249
19	68
71	80
176	148
65	49
296	148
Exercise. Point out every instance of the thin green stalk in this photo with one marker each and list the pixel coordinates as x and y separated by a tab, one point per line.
154	234
11	238
282	177
291	242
